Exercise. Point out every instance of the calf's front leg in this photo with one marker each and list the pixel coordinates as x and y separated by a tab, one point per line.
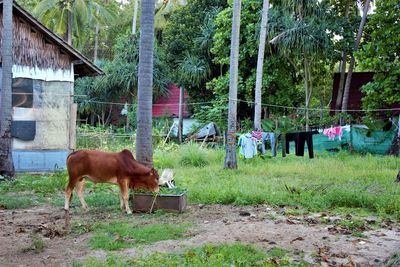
124	194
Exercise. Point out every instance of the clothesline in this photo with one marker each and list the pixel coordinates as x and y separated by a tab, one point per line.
252	102
212	102
319	109
169	104
47	93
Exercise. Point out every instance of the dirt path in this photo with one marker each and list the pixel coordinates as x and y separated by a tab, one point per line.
305	236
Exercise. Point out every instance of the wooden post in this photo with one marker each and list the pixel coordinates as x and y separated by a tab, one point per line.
180	124
283	138
204	141
72	126
321	113
169	132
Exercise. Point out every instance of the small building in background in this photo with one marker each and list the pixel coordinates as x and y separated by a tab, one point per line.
44	113
168	106
358	80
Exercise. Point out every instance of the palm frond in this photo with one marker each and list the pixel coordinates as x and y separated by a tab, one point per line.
194	70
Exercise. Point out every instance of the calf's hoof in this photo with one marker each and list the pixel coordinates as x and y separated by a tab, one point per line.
129	212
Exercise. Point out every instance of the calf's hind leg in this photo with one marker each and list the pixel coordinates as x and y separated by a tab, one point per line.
80	187
68	193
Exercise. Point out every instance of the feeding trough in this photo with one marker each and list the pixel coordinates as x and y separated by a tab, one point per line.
171	200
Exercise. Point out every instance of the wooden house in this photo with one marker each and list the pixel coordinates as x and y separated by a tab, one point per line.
44	113
358	80
168	106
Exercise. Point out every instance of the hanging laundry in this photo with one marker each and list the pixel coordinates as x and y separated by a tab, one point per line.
247	146
332	132
300	138
271	137
257	134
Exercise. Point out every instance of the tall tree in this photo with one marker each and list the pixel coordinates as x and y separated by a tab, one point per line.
342	66
190	59
96	38
69	18
260	65
144	146
230	157
134	18
380	53
305	38
352	59
6	161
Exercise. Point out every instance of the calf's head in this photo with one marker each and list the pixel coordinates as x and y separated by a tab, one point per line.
146	181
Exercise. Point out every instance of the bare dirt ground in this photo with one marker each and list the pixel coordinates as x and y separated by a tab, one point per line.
306	237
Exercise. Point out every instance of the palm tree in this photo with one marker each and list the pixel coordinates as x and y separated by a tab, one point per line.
342	66
144	146
69	17
230	157
305	38
6	161
106	17
134	18
352	59
164	8
260	65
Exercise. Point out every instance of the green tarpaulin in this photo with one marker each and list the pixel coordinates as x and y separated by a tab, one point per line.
362	140
374	142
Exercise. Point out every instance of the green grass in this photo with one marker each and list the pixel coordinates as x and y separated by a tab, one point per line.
339	182
19	202
329	181
118	235
164	191
37	245
208	255
38	184
193	155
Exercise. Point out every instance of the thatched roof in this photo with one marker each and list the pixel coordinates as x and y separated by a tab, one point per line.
82	65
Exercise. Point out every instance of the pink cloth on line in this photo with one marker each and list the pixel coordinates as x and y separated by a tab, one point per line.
257	135
333	132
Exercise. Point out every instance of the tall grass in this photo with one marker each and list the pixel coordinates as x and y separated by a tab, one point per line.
193	155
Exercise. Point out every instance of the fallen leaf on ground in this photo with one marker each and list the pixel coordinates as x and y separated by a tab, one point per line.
350	263
297	239
341	255
20	230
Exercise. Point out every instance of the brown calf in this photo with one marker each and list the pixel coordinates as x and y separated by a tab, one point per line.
104	167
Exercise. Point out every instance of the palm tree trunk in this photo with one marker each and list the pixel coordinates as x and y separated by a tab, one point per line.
69	27
144	146
96	38
260	65
342	68
6	161
134	19
180	123
230	158
306	78
352	60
